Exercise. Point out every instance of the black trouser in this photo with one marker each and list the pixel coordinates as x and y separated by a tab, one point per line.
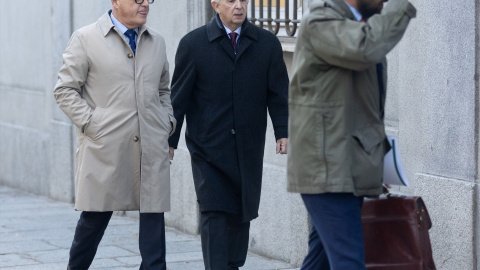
224	240
89	233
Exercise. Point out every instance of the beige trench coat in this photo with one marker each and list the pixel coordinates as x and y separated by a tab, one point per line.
121	107
337	136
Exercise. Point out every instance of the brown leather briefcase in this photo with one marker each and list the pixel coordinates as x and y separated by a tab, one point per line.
396	234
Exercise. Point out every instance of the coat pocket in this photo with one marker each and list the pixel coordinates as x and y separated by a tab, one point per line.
92	130
204	124
370	137
165	119
368	150
306	154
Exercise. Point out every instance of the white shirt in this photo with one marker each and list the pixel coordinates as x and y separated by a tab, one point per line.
238	30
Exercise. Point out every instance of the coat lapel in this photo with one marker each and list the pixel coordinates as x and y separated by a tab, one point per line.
225	43
216	31
247	37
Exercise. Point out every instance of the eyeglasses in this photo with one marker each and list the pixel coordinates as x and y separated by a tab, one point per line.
141	1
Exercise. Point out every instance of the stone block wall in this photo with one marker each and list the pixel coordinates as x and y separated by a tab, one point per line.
432	106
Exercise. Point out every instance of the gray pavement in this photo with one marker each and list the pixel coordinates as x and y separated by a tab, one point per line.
36	233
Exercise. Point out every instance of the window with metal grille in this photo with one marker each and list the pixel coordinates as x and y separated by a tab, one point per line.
281	17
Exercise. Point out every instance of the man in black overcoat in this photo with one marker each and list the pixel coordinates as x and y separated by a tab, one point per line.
227	74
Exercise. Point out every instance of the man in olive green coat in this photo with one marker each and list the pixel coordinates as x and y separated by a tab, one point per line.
336	107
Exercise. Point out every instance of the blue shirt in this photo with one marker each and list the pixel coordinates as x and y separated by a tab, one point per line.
122	27
355	12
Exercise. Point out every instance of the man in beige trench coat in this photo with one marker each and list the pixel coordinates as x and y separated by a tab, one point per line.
113	85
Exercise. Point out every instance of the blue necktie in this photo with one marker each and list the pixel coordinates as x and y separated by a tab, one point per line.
131	34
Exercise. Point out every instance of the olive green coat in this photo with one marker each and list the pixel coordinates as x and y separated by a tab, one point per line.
337	136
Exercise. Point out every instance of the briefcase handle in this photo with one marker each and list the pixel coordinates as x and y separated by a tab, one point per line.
423	218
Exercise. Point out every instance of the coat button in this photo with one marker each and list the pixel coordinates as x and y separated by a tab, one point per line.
135	139
232	131
130	55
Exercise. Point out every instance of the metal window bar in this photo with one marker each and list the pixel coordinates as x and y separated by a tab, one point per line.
281	19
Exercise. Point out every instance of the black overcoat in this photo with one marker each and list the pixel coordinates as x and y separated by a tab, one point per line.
224	98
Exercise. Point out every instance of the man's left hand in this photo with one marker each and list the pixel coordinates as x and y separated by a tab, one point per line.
282	146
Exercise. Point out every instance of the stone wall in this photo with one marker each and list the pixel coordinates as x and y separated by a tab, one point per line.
36	149
432	107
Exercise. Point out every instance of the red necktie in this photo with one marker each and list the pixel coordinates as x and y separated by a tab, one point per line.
233	37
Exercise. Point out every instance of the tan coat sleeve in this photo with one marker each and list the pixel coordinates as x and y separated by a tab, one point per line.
357	45
71	79
164	92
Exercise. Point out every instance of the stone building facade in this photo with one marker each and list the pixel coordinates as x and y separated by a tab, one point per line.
432	106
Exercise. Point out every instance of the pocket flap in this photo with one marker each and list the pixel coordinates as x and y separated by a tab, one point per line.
370	137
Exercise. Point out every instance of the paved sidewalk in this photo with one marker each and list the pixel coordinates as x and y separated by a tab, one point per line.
36	233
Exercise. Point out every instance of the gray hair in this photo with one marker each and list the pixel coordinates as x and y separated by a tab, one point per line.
218	1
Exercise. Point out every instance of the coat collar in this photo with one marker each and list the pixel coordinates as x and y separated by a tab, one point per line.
106	25
341	7
216	30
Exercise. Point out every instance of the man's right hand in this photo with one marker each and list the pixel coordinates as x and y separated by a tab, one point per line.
171	151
